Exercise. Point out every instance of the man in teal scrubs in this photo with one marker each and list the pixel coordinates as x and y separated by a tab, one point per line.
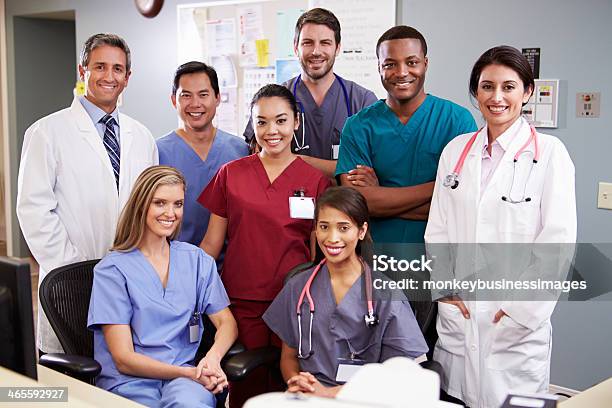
389	151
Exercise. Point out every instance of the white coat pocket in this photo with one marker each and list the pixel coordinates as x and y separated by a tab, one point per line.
517	348
451	327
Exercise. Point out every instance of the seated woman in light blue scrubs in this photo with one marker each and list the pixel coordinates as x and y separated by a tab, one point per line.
149	294
321	349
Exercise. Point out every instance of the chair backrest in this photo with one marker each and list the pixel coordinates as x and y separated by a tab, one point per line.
64	296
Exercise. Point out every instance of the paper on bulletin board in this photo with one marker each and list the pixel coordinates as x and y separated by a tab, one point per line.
226	71
545	94
544	115
221	37
286	68
250	22
263	51
191	33
363	22
227	111
285	31
254	78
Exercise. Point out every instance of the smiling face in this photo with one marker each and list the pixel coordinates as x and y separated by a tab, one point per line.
165	211
338	235
316	49
195	101
402	67
500	96
105	76
274	123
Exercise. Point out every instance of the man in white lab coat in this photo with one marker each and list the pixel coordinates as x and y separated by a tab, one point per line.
77	168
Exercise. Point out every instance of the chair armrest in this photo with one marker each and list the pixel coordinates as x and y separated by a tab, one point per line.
80	367
240	365
236	348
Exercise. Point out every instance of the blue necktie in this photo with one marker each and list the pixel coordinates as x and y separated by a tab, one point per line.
112	145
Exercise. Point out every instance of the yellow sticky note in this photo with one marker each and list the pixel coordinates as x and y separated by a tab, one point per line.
263	49
79	88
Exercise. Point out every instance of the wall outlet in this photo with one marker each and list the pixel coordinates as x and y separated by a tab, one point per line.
604	197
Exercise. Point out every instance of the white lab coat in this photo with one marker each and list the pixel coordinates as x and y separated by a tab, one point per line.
485	361
67	200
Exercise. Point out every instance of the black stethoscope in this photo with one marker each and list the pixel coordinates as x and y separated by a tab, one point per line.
303	145
371	318
452	179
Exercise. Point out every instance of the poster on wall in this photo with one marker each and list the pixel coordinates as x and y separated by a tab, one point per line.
250	23
221	37
254	78
286	68
285	31
227	111
191	34
362	22
533	56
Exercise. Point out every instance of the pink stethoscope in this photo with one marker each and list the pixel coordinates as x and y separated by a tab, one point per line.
371	319
452	180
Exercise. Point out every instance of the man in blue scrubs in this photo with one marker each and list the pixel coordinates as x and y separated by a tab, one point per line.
390	150
325	99
197	148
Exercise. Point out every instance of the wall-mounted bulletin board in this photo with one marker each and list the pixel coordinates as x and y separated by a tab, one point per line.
250	44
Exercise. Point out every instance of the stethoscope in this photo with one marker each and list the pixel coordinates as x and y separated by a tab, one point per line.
303	145
371	318
452	180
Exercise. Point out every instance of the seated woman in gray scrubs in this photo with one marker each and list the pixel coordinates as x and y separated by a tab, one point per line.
326	317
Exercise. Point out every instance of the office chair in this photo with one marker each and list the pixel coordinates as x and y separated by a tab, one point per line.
64	296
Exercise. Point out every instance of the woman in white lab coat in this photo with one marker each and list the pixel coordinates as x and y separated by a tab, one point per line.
499	194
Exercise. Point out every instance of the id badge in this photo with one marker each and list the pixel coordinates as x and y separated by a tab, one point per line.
301	207
194	329
347	368
335	152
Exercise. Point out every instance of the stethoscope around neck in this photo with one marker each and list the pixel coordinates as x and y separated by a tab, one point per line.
452	180
303	145
371	318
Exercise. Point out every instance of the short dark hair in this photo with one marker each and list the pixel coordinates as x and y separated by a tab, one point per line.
352	203
401	32
318	16
98	40
507	56
272	90
196	67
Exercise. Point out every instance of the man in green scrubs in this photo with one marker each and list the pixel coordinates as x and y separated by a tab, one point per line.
389	151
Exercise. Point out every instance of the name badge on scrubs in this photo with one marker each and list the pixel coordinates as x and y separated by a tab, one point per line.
335	152
194	328
301	207
347	367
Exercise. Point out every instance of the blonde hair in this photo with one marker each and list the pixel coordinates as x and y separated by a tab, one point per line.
133	219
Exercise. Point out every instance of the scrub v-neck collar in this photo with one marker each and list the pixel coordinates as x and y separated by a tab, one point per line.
262	175
163	292
329	98
356	286
212	150
415	121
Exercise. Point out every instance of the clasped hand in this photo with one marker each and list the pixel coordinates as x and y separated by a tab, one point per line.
307	383
209	373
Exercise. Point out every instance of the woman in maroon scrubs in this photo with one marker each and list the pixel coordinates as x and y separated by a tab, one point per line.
264	205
